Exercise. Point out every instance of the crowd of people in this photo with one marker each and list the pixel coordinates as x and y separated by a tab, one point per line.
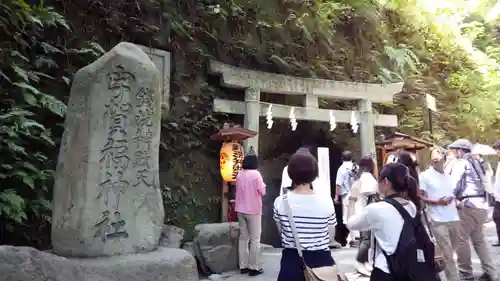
414	223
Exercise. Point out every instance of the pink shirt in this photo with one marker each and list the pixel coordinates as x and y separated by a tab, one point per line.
250	189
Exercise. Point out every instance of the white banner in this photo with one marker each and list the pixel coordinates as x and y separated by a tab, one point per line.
324	172
322	183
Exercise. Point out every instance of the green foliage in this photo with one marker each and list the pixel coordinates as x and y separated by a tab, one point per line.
417	42
189	194
30	66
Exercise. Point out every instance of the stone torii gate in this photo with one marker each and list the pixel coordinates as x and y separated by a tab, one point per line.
255	82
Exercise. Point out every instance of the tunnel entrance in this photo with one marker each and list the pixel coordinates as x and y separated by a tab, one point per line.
311	136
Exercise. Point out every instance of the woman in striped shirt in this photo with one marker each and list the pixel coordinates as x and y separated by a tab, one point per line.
314	217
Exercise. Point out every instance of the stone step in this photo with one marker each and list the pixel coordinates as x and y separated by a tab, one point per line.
354	276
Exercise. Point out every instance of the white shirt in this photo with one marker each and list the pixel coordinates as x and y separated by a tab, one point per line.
386	225
365	186
437	185
448	166
343	177
313	214
497	183
287	182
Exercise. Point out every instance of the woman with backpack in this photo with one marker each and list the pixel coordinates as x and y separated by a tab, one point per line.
403	249
305	221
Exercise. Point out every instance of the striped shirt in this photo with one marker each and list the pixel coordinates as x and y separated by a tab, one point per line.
313	215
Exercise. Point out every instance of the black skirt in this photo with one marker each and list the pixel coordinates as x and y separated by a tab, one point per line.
290	267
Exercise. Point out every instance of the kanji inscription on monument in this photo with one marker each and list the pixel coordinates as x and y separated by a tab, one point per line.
111	143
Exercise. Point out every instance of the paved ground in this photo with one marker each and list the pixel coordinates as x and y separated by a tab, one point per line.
344	257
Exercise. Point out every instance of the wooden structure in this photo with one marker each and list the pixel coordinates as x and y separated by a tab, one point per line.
399	141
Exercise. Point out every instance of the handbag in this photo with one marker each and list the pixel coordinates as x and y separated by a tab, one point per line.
439	261
325	273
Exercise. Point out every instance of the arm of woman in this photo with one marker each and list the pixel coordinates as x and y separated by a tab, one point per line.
332	222
276	214
368	219
330	214
424	187
261	186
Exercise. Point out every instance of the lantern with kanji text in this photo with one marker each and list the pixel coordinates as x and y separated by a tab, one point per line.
231	160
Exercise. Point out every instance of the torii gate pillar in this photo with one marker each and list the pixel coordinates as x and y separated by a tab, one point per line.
251	121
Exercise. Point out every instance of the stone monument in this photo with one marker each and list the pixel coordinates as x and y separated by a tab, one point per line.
107	214
107	198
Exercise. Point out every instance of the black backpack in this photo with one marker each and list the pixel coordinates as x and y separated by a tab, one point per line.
413	259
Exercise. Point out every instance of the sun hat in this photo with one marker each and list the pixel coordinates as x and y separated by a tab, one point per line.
461	144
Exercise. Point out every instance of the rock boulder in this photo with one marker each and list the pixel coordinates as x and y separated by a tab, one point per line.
28	264
216	247
171	236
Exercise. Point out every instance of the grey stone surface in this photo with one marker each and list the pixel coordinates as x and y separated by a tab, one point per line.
301	113
162	59
264	247
107	199
28	264
189	247
237	77
171	236
215	277
216	246
270	261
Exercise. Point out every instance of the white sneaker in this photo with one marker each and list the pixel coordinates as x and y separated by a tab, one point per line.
369	266
360	267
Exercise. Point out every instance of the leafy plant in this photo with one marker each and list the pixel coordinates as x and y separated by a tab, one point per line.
30	67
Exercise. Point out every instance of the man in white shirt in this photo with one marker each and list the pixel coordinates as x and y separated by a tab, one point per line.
344	181
436	189
343	185
496	211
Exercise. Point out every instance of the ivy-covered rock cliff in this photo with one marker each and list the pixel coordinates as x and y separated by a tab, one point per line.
445	48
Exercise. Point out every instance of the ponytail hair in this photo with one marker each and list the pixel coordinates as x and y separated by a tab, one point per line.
412	191
406	159
402	181
365	164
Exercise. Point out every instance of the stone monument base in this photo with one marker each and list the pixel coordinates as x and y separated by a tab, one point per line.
29	264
